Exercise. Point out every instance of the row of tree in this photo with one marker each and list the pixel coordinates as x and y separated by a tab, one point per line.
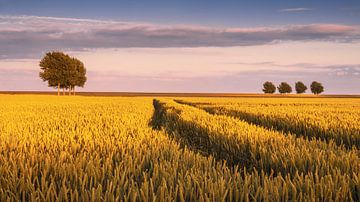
300	87
62	71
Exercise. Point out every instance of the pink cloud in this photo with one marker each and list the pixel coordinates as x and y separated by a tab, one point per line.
29	36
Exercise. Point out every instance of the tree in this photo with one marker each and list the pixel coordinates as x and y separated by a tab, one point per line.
300	87
316	87
269	87
53	66
284	88
77	76
62	71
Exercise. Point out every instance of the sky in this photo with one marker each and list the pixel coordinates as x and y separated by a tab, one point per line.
184	46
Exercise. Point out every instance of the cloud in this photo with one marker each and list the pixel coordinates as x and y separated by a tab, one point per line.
31	36
295	9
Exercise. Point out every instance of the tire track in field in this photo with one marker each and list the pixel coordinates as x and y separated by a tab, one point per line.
194	137
285	127
187	132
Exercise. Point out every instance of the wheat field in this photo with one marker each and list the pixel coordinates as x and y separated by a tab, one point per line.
179	149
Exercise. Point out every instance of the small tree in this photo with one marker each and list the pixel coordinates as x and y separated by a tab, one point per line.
316	87
269	87
300	87
284	88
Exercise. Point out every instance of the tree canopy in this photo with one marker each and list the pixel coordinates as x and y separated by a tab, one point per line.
316	87
62	71
300	87
269	87
284	88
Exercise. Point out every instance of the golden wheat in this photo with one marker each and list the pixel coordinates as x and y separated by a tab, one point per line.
326	119
103	149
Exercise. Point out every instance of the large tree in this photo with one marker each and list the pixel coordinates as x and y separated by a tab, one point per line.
269	87
53	66
62	71
316	87
284	88
300	87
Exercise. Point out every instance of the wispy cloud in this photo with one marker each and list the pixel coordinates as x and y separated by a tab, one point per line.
295	9
30	36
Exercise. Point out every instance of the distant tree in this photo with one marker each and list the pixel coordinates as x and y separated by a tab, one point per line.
300	87
62	71
284	88
269	87
316	87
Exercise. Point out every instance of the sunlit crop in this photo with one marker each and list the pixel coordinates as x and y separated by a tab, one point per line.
136	149
326	119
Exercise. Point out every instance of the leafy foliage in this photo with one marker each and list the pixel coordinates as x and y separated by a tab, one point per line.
300	87
53	67
269	87
316	88
62	71
284	88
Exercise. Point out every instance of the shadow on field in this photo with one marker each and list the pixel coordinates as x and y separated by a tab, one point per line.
157	118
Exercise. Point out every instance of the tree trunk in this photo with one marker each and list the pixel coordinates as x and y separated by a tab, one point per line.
58	89
69	90
63	91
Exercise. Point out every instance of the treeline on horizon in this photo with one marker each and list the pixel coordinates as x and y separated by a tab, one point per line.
62	71
284	88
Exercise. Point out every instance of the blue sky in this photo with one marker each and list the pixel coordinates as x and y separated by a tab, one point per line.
184	46
209	12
